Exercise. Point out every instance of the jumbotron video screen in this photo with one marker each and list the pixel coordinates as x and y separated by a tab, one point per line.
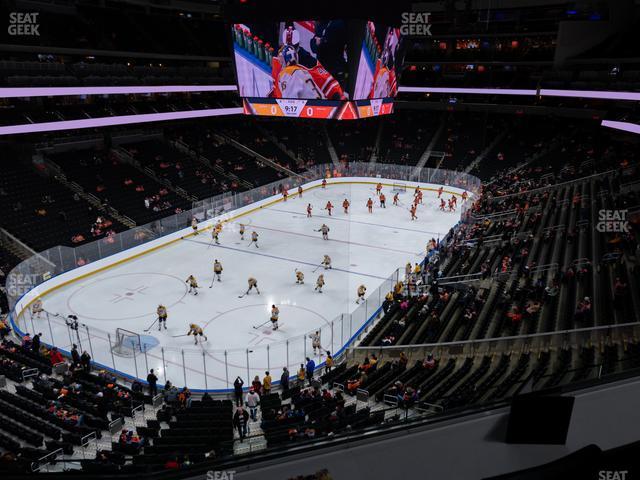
335	69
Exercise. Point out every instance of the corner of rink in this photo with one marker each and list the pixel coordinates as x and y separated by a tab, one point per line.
123	292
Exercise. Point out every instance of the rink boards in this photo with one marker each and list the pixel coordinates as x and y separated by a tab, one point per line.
200	379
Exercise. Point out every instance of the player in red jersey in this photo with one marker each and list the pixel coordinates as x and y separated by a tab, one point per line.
329	207
413	212
345	205
370	205
292	80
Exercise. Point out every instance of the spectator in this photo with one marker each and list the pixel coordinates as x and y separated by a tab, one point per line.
35	343
75	356
328	363
429	362
4	329
85	361
55	356
253	402
240	421
284	379
310	367
301	374
152	380
257	385
237	390
266	383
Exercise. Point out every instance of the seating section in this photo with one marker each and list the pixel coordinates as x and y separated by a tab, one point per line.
120	185
180	169
43	213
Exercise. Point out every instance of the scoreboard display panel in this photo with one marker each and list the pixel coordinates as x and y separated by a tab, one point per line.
324	109
330	69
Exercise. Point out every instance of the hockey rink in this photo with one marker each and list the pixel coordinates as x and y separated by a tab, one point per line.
365	249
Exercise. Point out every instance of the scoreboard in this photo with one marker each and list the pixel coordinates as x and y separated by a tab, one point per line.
326	69
322	109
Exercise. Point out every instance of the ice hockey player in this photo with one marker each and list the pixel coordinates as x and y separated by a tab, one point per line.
37	308
324	183
315	342
451	204
194	225
299	277
326	262
319	283
162	316
215	236
361	291
294	79
253	283
275	313
193	284
285	194
329	207
370	205
309	208
254	239
419	197
196	331
345	205
325	231
416	191
242	231
378	188
383	200
440	190
454	201
396	197
413	212
217	269
300	191
442	204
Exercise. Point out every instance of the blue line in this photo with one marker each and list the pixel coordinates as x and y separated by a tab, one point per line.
292	260
356	221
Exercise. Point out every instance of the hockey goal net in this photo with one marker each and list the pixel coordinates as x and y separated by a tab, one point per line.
128	344
399	187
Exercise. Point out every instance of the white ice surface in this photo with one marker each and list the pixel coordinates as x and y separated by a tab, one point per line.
365	249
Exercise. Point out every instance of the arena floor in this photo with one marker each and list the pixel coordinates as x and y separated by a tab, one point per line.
365	249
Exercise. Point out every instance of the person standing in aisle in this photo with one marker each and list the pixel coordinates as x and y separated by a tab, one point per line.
237	390
310	368
152	380
253	402
284	379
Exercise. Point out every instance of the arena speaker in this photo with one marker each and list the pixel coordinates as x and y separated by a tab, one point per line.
539	419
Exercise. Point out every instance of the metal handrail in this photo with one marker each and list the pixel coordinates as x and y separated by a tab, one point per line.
500	339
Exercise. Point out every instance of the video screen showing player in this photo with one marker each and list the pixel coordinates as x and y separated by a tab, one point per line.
298	60
380	59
